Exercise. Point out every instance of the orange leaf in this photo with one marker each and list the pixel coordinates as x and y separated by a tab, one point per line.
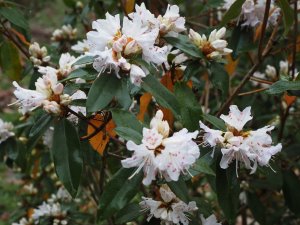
128	6
166	80
231	65
257	32
100	140
30	212
289	99
21	37
145	100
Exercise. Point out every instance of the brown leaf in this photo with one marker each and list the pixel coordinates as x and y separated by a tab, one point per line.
100	140
145	100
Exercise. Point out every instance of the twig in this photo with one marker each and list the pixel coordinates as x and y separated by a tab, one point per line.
80	116
252	70
252	92
295	39
261	80
263	30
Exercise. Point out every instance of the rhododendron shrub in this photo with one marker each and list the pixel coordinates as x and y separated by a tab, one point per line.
154	112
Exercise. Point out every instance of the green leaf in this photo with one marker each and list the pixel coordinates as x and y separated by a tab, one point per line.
41	125
129	134
218	123
192	70
189	107
256	207
288	17
228	190
233	12
180	189
291	187
282	86
15	16
119	191
10	60
184	44
84	60
123	118
81	73
162	95
70	3
202	165
128	213
123	96
66	154
102	92
220	78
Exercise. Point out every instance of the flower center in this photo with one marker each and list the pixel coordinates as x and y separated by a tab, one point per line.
207	48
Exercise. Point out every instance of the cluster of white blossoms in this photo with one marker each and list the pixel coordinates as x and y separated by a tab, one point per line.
252	147
168	208
160	154
66	33
49	91
213	47
252	13
50	210
272	74
5	130
38	55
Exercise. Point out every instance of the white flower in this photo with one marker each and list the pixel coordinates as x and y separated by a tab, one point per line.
81	46
48	210
284	67
65	33
5	130
48	93
159	153
213	47
211	137
23	221
236	118
211	220
271	72
38	54
171	23
78	109
113	46
136	74
251	148
48	137
65	67
169	208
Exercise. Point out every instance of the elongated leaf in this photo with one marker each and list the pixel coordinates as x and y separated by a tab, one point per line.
291	187
162	95
10	60
128	213
257	208
118	192
288	17
123	96
228	190
233	12
41	125
129	134
283	85
192	69
218	123
184	44
102	92
15	16
190	109
84	60
202	165
67	156
81	73
220	78
180	189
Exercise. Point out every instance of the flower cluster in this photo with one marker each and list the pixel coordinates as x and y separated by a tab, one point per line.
213	47
51	211
159	153
252	13
5	130
39	55
168	208
251	147
66	33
